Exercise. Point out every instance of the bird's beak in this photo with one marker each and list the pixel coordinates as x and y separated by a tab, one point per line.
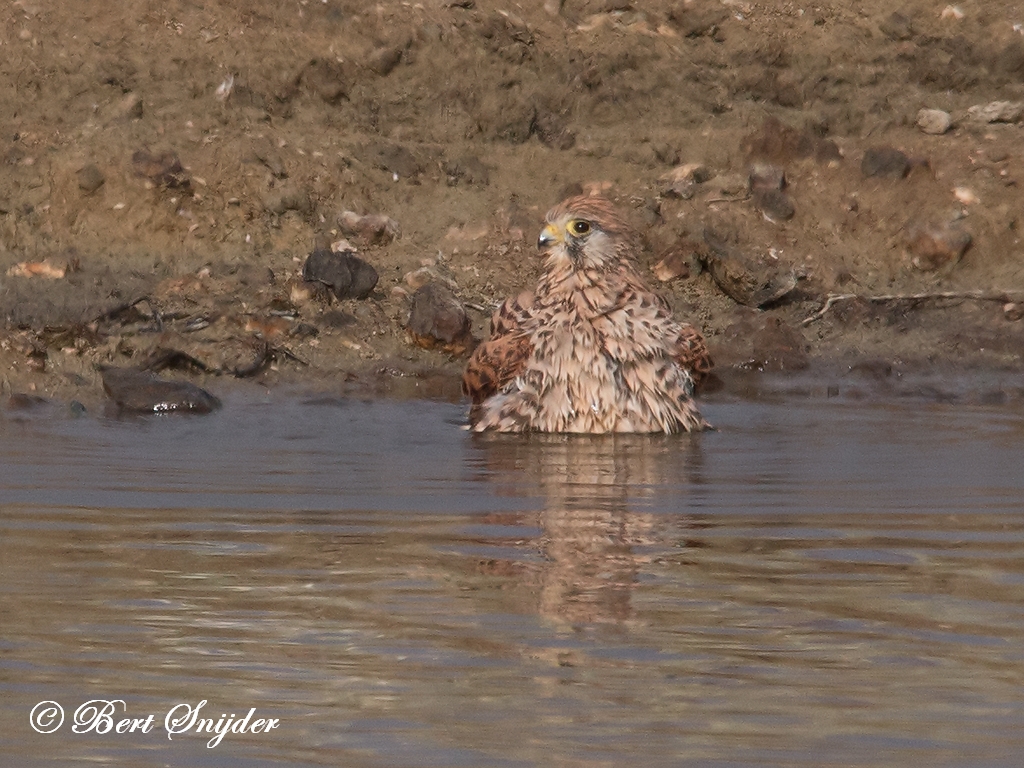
548	237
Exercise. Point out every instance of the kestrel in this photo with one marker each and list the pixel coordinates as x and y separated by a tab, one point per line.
591	349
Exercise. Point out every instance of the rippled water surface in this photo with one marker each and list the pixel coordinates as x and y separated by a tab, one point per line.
817	583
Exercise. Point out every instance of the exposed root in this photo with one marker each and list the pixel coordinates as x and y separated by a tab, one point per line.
834	298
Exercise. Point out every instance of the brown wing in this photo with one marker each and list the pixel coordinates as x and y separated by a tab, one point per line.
502	357
691	352
493	364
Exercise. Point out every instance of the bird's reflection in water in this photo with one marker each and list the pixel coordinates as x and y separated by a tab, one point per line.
597	522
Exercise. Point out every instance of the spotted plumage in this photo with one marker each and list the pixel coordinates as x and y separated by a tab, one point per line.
591	349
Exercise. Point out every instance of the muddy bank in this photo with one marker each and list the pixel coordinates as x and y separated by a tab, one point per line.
167	170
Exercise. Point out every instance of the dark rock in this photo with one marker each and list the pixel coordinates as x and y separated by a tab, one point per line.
141	392
743	279
887	162
774	204
336	318
438	320
163	169
90	178
348	276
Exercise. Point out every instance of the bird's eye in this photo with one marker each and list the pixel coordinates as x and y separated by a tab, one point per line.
580	227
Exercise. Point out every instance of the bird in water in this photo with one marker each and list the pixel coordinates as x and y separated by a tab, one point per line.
591	349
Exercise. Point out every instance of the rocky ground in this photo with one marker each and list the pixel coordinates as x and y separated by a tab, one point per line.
167	168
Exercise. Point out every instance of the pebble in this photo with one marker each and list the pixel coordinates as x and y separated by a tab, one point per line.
142	392
997	112
681	182
427	274
934	121
932	247
679	260
766	176
438	320
347	275
90	178
886	162
1013	311
162	169
372	229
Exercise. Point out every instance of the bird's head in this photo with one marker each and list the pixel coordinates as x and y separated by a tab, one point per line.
584	233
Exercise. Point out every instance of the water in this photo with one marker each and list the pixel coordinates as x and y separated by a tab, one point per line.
818	583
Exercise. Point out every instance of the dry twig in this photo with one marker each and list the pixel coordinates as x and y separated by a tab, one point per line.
834	298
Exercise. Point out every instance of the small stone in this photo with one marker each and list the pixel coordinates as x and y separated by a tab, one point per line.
766	176
997	112
438	320
886	162
373	229
966	195
933	247
162	169
681	182
90	178
680	262
774	204
934	121
348	276
1013	311
420	277
143	392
